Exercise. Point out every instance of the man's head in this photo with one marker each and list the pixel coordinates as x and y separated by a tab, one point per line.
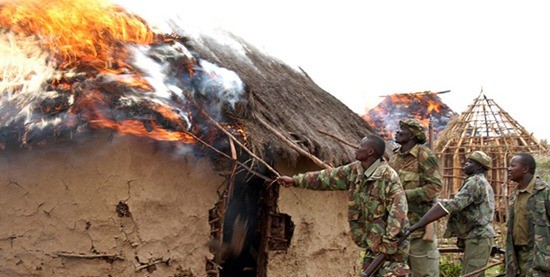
481	158
372	146
410	129
521	164
478	161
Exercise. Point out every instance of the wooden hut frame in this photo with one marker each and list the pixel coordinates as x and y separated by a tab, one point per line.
487	127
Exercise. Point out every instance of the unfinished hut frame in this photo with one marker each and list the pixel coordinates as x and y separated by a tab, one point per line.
487	127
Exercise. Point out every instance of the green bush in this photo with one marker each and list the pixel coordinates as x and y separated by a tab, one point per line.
449	266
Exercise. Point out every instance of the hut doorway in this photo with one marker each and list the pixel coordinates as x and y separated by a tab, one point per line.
245	225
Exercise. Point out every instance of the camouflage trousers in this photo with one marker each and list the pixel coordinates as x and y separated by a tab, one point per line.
424	258
522	255
476	254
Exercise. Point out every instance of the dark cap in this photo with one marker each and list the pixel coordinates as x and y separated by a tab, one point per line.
415	127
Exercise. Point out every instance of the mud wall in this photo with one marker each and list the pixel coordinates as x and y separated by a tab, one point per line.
321	244
110	206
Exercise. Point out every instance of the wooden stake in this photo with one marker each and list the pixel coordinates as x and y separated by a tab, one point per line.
227	156
292	145
239	143
482	269
89	256
339	139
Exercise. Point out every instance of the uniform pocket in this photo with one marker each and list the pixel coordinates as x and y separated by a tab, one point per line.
410	180
540	217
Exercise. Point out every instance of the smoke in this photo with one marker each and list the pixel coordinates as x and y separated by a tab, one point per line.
219	85
139	88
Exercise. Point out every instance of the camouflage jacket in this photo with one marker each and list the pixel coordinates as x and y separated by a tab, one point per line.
538	217
472	209
377	210
421	177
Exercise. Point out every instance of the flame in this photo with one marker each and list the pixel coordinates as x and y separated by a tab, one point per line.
137	128
89	52
426	107
79	33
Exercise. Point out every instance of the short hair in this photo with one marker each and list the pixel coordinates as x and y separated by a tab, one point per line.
378	144
526	159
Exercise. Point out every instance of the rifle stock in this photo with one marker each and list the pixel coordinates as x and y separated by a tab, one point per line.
381	257
375	265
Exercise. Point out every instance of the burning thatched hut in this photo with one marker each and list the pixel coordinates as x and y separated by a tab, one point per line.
484	126
133	153
425	106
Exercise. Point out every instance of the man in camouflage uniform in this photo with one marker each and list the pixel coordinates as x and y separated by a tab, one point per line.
421	177
377	211
528	223
471	214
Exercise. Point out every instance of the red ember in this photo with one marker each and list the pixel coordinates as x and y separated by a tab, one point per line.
71	64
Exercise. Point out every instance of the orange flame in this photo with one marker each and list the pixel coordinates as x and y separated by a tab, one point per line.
79	33
136	127
420	106
90	38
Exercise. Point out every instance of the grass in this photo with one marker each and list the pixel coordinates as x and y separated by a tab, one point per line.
543	165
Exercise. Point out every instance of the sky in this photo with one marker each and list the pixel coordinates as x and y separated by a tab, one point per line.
361	50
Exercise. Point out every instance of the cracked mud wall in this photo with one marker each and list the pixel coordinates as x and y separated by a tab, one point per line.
112	206
321	244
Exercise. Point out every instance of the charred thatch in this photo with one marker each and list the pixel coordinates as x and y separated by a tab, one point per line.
288	100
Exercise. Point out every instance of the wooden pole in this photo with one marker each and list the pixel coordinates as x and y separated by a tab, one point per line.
292	145
239	143
338	138
239	163
473	273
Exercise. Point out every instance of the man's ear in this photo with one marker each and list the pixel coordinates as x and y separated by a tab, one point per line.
370	151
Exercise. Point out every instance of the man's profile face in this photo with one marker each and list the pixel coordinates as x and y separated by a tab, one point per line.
469	167
362	150
402	135
515	169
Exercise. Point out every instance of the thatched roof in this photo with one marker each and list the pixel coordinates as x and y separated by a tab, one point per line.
67	102
288	100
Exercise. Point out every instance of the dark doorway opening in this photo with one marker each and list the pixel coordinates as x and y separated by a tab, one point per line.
245	224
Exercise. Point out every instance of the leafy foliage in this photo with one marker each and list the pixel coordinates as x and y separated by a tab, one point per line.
449	267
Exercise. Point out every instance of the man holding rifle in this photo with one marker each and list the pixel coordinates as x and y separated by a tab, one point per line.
471	214
377	207
420	175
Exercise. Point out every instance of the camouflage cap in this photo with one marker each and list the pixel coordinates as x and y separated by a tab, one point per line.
481	158
415	127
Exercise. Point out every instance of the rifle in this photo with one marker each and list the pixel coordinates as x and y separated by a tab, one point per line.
380	258
375	265
435	213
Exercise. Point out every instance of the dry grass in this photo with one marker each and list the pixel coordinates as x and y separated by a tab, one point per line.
543	165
